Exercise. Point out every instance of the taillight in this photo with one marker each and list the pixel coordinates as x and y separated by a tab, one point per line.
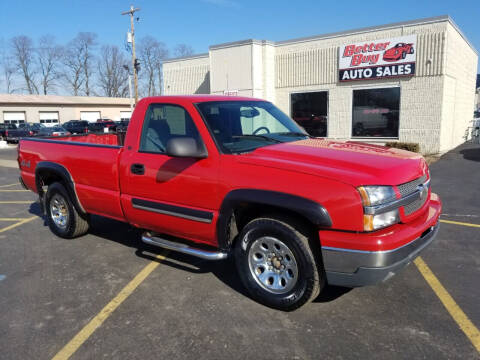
30	132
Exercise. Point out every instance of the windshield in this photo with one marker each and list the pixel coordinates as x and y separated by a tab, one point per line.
242	126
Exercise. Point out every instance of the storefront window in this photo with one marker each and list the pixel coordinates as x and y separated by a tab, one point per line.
309	110
376	112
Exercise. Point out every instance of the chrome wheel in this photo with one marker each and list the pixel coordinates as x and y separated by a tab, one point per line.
59	211
272	265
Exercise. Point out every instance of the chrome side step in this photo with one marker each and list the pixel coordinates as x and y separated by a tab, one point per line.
183	248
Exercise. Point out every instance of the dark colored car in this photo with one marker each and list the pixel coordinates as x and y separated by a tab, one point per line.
5	128
54	131
109	124
76	126
24	130
96	127
122	125
399	51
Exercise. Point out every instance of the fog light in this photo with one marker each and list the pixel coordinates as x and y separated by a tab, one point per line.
375	222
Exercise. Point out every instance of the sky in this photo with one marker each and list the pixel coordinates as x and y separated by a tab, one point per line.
201	23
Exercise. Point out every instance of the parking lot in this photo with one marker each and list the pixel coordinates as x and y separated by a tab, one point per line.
108	295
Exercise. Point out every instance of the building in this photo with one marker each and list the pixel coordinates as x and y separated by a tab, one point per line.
412	81
50	109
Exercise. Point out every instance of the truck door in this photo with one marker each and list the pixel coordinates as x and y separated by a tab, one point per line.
175	196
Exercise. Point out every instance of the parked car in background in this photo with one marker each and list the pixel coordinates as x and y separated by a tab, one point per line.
96	127
24	130
122	125
76	126
53	131
4	128
107	123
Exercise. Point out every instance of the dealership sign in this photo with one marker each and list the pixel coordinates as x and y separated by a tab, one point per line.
379	59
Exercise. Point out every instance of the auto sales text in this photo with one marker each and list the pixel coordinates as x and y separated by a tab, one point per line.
377	72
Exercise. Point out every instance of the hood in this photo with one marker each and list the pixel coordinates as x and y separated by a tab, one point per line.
350	162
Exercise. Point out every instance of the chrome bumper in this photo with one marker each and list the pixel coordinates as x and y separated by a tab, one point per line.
353	268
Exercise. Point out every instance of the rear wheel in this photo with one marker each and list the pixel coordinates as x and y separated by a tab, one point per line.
276	264
62	217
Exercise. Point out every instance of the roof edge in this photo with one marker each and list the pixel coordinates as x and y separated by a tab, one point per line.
189	57
242	42
421	21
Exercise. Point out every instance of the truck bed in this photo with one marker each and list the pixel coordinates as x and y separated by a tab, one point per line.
91	161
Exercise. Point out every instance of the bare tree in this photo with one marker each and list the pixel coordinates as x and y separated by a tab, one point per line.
151	53
8	73
85	43
72	73
182	50
8	68
49	55
112	77
23	54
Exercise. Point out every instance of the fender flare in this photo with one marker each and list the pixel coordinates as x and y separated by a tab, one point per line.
48	167
309	209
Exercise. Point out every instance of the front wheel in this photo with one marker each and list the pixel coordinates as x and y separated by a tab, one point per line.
62	217
276	264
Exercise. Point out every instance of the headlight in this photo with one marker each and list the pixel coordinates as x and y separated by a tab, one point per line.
378	195
375	222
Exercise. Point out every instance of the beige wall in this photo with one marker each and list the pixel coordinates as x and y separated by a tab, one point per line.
458	93
187	76
65	113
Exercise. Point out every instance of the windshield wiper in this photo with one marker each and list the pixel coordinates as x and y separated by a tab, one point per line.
293	133
258	137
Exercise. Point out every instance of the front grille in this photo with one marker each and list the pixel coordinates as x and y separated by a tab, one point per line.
409	188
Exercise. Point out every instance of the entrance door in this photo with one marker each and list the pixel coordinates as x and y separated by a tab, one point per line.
166	194
310	111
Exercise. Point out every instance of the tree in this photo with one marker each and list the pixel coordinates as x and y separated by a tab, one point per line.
151	53
8	73
23	55
182	50
84	44
8	68
113	79
49	56
72	73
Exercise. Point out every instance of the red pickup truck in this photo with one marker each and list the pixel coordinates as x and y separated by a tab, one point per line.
214	176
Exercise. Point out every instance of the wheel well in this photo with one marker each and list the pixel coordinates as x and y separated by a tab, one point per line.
47	176
246	212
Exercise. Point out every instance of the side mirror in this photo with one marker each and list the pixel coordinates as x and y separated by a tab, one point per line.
186	147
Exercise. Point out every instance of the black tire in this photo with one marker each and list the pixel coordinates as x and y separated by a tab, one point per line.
311	275
75	224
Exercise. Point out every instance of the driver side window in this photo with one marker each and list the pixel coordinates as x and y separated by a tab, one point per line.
163	122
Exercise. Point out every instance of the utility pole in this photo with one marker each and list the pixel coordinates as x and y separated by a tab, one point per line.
134	58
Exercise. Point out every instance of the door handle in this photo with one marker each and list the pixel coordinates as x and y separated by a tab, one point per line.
137	169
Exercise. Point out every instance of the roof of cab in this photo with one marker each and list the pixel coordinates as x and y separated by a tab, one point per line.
202	98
